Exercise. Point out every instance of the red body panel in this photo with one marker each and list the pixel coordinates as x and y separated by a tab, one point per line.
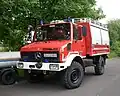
87	40
41	46
91	49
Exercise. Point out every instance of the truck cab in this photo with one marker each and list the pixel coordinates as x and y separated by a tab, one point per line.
53	43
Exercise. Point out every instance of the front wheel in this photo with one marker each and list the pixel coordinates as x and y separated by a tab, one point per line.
73	76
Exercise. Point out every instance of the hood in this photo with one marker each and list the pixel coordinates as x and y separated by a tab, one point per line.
48	45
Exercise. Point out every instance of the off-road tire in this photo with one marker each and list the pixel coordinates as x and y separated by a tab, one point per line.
8	77
100	66
75	69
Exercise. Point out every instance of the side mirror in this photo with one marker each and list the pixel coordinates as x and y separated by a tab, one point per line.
84	31
111	42
79	36
30	28
79	33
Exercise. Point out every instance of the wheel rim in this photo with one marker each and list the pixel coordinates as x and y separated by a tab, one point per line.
9	78
75	75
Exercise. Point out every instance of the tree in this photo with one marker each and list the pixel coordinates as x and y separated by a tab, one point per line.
12	22
114	28
59	9
16	14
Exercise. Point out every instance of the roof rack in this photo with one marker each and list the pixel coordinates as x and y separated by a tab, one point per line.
75	20
95	22
57	21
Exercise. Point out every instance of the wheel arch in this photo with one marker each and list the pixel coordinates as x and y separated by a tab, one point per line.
7	69
76	58
79	60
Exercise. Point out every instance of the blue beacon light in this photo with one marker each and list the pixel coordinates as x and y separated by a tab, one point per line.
41	22
46	61
69	19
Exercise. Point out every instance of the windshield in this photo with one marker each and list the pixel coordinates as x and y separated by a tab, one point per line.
53	32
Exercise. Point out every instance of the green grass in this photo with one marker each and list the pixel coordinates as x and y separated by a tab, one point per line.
112	55
2	49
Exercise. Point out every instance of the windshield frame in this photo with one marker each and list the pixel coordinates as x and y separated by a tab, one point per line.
35	40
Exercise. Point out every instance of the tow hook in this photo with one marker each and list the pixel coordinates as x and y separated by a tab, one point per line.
29	71
44	72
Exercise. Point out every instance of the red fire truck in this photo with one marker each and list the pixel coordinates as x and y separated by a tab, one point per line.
66	48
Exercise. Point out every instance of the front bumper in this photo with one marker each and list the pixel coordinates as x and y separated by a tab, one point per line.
41	66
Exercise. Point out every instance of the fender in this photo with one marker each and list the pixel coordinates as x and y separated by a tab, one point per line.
7	69
69	60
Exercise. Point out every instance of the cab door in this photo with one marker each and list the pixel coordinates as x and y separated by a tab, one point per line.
78	44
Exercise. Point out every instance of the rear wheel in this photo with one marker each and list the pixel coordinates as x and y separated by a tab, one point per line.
73	76
100	66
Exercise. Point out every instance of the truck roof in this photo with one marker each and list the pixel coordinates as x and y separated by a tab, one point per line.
92	22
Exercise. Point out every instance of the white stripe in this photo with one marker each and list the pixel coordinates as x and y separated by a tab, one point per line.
64	59
100	49
101	53
62	49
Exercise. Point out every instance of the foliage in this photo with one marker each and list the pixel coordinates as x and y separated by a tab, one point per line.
114	30
15	16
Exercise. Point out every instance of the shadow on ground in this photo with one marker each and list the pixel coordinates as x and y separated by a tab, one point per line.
48	83
49	86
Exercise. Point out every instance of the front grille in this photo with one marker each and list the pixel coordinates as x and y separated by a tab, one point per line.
30	57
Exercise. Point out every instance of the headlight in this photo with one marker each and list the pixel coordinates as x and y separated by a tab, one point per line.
50	55
54	67
20	65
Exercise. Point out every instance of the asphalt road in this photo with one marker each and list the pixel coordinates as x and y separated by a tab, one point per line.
105	85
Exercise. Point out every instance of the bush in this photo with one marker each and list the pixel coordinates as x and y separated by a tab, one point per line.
114	28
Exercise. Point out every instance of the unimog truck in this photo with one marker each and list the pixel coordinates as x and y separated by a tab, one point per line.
66	47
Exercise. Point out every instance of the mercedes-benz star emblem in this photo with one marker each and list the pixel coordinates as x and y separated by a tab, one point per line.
37	55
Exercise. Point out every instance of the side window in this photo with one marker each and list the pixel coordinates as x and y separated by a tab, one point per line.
75	33
84	31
